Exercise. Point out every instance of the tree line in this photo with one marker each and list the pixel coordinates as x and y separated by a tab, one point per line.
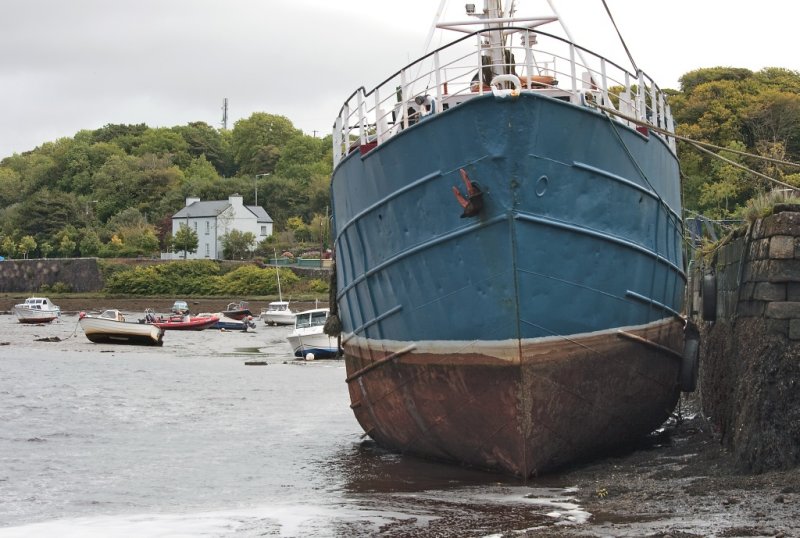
112	191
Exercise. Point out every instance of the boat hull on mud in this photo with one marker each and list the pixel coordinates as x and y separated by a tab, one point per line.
518	408
509	260
111	328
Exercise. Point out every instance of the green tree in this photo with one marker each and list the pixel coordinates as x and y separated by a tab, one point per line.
691	80
236	244
9	247
9	187
90	244
163	142
185	240
124	136
66	245
45	212
774	117
205	142
137	237
45	248
139	182
302	158
26	244
256	142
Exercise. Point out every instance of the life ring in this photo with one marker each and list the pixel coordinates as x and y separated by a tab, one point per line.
709	297
500	92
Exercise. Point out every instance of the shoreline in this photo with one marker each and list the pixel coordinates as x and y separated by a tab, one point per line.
91	303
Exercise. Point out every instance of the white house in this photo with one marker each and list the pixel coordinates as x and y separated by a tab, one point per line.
213	219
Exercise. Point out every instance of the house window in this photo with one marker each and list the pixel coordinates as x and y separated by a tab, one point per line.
263	230
208	251
208	227
195	226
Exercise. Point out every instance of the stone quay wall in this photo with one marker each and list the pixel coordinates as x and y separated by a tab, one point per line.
79	275
83	275
746	301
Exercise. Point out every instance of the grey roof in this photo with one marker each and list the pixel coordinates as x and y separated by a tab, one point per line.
260	213
202	209
214	208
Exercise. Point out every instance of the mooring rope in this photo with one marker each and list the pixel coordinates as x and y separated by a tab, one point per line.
697	144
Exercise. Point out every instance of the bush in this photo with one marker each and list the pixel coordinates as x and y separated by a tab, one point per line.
56	287
197	277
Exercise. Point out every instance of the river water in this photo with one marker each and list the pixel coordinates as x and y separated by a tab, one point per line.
189	440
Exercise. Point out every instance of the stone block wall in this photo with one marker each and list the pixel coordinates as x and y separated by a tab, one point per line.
771	281
749	378
77	274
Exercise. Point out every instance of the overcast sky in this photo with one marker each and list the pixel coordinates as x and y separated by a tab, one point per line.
67	65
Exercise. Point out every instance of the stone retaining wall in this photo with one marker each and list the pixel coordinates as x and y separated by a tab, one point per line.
78	275
749	378
82	275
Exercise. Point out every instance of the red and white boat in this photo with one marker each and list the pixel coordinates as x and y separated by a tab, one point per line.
176	322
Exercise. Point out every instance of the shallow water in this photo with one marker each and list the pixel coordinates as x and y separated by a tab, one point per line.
188	440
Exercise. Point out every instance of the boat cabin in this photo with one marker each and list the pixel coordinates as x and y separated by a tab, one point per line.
38	303
311	318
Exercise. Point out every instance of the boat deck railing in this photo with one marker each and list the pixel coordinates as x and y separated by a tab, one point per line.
461	70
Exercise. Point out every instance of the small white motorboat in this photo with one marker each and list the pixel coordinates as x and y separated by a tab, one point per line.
278	313
308	340
37	310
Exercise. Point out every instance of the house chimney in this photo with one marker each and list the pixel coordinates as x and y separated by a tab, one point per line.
235	199
190	200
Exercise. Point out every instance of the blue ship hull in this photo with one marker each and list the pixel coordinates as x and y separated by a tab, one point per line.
539	331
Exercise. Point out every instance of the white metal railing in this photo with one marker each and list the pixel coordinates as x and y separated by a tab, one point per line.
457	72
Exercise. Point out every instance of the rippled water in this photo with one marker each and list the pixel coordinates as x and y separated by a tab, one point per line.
187	440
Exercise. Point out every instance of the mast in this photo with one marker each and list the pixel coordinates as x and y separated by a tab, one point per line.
277	274
493	10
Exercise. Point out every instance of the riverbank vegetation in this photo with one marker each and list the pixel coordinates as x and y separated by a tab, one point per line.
207	278
111	192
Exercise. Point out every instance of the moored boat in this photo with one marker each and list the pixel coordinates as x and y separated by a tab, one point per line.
180	308
110	327
278	313
37	310
510	272
308	339
185	322
238	310
229	324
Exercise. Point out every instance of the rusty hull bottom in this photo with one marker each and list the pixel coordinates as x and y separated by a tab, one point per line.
555	402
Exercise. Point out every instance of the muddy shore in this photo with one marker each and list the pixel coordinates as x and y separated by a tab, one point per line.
679	482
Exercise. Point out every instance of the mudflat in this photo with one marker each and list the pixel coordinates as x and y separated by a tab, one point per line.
681	482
